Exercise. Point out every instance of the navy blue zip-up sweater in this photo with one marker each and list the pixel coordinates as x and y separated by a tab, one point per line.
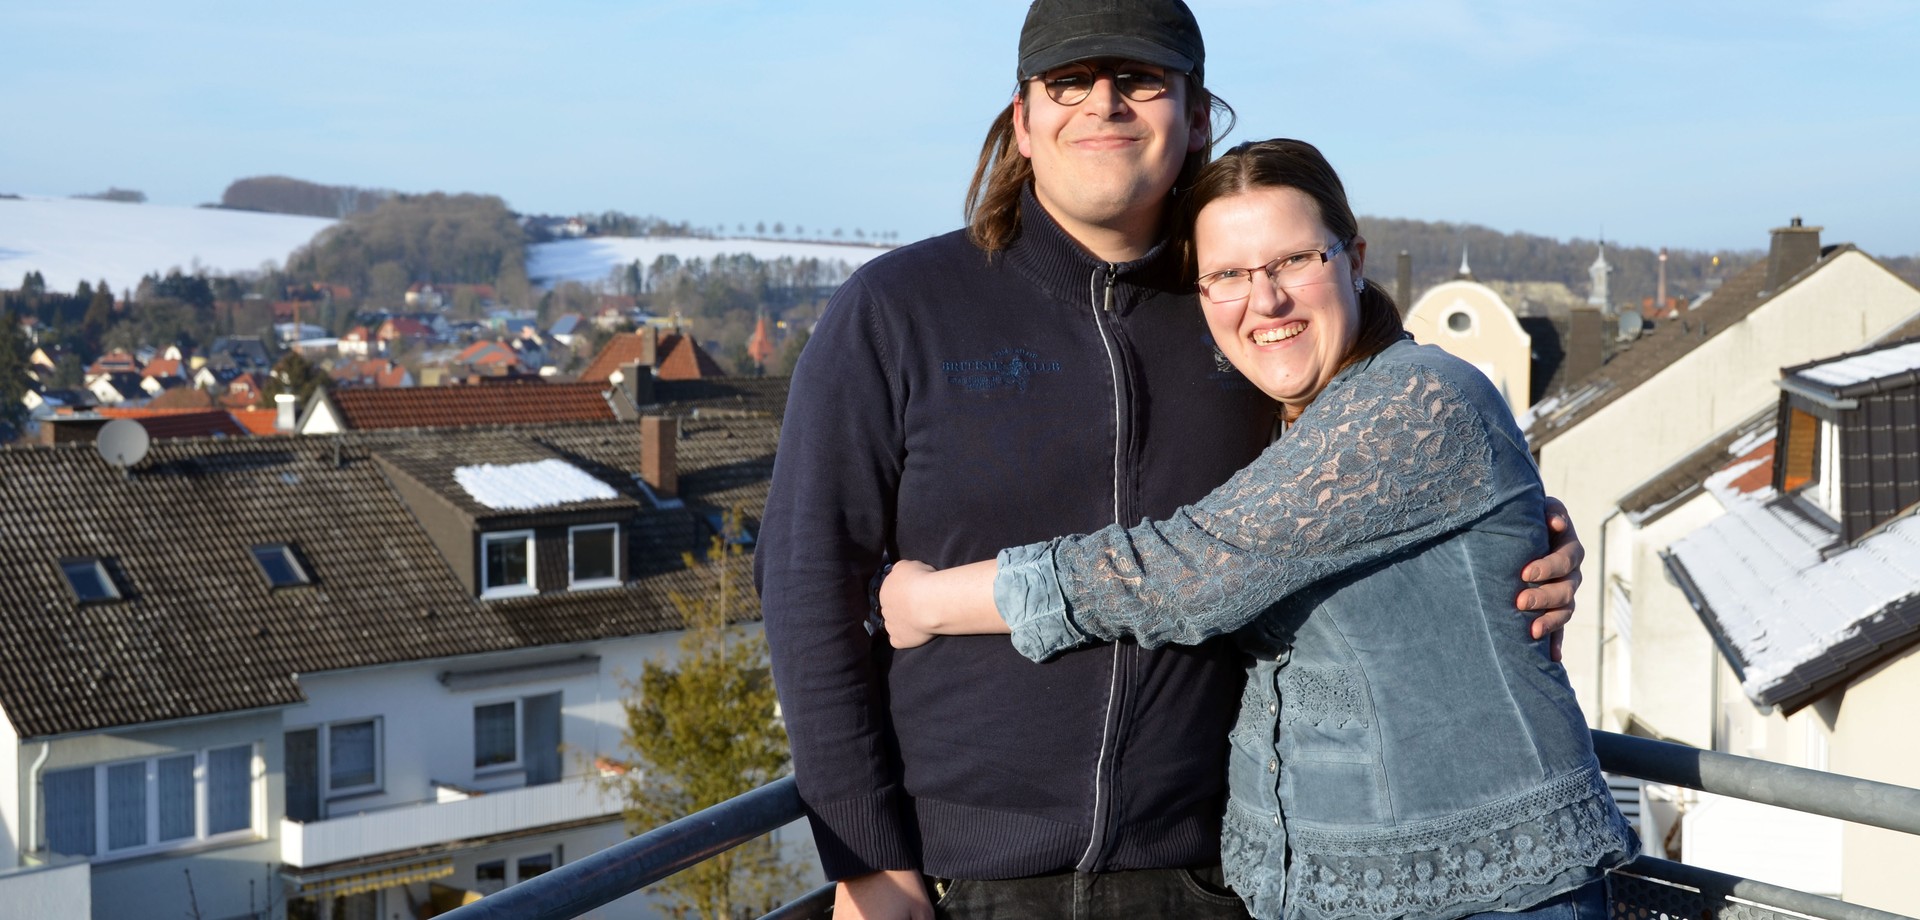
949	405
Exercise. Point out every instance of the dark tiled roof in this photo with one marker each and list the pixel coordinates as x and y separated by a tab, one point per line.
367	409
1654	351
199	633
1686	475
181	423
725	394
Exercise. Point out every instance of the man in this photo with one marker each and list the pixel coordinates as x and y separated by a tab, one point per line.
1045	372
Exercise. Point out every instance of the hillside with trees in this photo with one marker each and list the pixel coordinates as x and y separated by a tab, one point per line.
434	238
1435	249
287	195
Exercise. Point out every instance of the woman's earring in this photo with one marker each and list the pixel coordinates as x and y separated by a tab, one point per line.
1359	285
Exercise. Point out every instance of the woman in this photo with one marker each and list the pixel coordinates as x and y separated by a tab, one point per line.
1404	748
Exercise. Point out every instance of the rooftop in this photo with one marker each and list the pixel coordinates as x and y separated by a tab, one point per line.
196	629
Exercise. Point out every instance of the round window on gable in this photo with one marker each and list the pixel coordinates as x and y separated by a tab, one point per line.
1459	321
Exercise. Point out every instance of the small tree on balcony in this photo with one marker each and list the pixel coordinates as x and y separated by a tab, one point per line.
703	730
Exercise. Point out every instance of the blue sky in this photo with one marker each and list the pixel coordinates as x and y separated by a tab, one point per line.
1695	125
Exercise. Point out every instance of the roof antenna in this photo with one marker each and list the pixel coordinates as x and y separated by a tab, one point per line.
123	442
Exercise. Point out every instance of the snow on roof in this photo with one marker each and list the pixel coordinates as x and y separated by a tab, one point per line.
1791	614
520	486
1861	368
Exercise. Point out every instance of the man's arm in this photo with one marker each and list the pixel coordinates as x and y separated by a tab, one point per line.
828	519
1555	576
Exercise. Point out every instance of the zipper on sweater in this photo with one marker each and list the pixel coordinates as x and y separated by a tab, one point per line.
1100	297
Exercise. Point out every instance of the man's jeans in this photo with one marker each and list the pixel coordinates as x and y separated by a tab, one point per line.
1588	902
1144	893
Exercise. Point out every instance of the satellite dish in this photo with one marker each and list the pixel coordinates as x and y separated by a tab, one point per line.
1631	325
122	442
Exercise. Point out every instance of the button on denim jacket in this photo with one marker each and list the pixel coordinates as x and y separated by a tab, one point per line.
1404	747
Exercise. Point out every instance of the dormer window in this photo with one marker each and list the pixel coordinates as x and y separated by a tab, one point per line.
594	555
281	567
89	580
506	564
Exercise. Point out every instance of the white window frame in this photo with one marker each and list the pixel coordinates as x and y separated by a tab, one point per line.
574	582
325	746
256	774
506	536
519	740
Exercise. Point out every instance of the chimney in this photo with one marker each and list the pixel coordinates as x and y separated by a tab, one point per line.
1403	281
1795	249
1660	295
635	381
286	415
659	435
649	346
1585	343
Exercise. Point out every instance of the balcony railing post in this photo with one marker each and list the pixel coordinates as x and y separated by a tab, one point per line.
631	865
1813	791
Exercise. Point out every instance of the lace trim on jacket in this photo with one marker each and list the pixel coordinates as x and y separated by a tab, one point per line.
1482	858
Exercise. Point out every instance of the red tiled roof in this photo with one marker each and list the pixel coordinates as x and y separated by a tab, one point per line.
258	421
185	398
487	352
682	358
623	348
678	357
163	367
403	327
455	406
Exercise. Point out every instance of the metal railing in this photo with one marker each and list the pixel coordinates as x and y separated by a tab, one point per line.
1644	889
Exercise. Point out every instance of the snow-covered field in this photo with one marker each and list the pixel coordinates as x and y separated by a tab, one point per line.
591	260
70	240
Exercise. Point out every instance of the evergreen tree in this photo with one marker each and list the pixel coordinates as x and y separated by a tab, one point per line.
703	730
13	375
789	356
293	374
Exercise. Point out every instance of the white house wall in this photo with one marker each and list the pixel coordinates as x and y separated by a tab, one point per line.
1841	307
13	795
219	873
1873	738
1673	655
1496	343
426	731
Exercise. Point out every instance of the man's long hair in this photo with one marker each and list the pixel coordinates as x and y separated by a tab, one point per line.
993	197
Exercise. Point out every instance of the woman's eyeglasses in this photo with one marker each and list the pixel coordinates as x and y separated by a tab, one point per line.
1291	270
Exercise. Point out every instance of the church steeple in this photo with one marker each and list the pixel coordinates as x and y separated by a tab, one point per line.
1466	271
1599	271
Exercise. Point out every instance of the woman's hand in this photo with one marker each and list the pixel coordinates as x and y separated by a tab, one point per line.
906	626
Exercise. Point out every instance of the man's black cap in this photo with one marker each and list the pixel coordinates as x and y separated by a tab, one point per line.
1159	32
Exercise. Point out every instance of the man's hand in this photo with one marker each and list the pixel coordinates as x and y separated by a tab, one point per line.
1555	577
906	627
891	894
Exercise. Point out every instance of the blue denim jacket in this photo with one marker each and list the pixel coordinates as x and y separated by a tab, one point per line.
1401	735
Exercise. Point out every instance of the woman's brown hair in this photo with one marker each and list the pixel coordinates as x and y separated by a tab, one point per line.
993	197
1287	163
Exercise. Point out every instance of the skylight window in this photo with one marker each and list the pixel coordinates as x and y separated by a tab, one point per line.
278	563
89	580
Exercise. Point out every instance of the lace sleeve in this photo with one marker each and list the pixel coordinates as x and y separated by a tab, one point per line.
1389	458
